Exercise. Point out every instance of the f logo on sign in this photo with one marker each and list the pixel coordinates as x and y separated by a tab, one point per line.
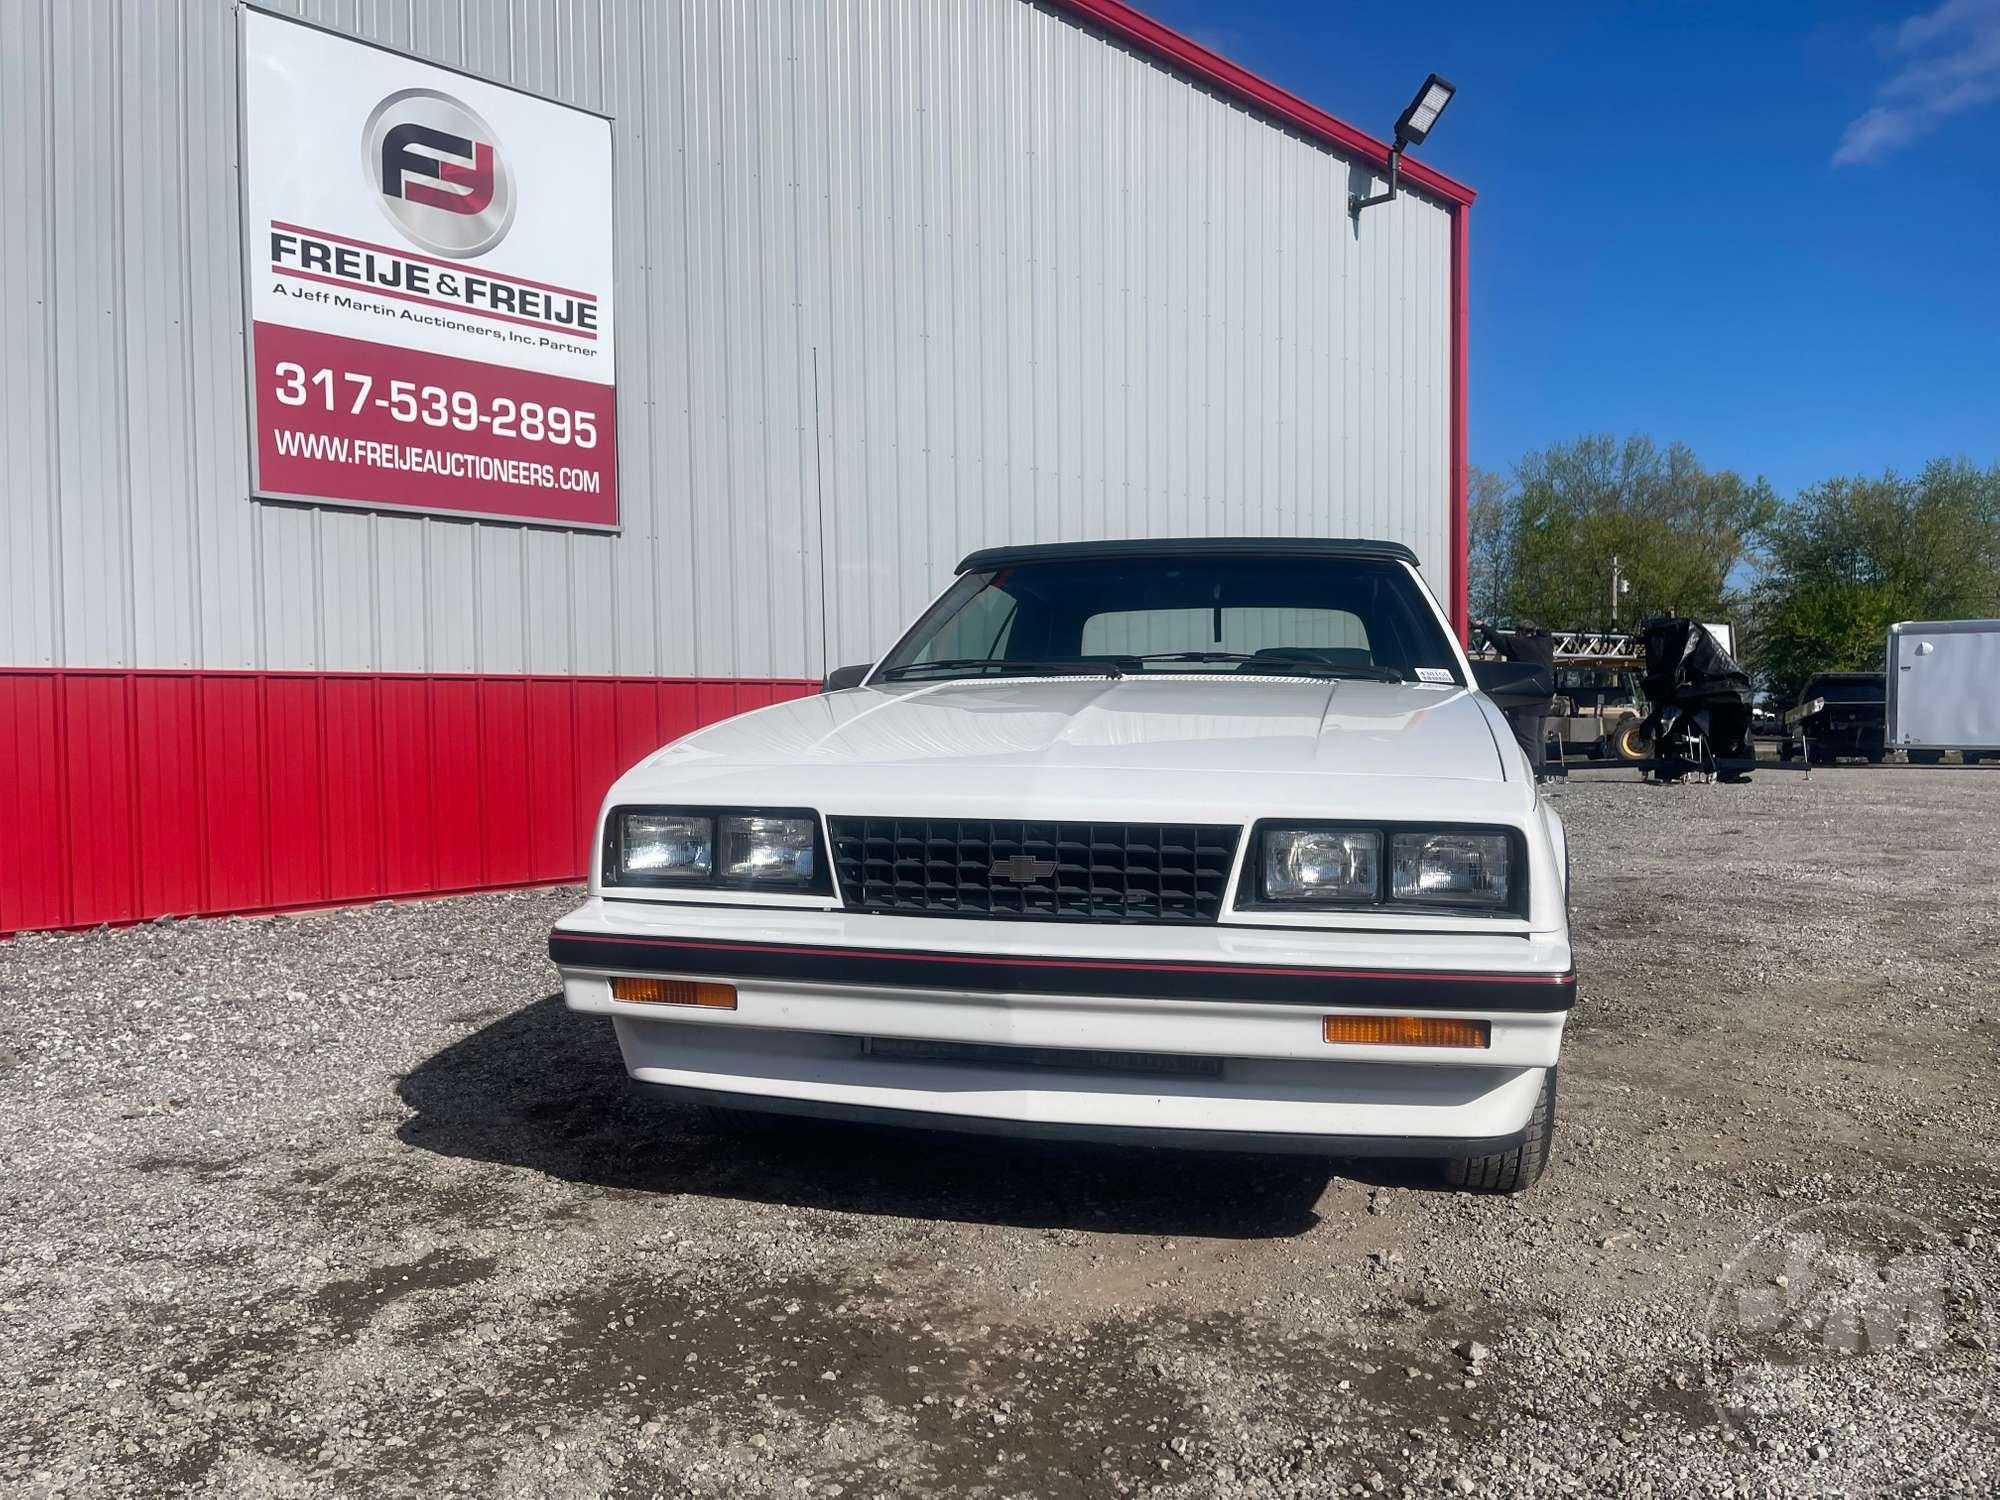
411	153
438	172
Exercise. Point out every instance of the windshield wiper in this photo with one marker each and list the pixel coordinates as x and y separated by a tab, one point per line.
1355	672
1282	664
1122	666
965	665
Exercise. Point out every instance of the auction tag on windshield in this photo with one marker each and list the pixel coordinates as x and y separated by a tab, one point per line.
1434	674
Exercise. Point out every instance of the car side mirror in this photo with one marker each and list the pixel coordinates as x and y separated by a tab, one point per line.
1514	684
845	677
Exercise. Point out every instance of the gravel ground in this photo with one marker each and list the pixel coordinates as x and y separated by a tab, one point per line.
347	1203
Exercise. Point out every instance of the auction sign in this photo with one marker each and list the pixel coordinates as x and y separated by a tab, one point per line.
430	275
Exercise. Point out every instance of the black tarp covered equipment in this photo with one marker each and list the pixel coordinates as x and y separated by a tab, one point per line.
1527	712
1699	697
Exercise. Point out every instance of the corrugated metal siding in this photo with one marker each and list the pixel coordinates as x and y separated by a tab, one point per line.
897	278
131	794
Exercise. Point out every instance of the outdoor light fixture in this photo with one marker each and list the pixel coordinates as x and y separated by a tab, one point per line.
1412	126
1416	121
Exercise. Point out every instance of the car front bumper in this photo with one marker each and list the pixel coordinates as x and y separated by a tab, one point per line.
1209	1036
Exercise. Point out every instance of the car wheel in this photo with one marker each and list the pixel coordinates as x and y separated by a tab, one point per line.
1514	1170
1628	741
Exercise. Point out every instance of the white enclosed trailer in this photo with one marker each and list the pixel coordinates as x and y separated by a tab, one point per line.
1944	687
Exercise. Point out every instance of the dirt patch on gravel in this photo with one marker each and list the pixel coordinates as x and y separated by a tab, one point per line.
349	1204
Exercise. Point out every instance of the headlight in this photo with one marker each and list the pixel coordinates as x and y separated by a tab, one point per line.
715	847
1322	864
1331	866
665	846
1455	869
773	851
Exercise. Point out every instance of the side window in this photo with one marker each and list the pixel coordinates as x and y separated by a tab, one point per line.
979	630
1142	632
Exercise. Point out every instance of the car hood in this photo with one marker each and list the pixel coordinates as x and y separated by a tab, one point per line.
1071	746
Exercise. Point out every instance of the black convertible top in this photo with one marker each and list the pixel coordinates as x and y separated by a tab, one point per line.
1188	546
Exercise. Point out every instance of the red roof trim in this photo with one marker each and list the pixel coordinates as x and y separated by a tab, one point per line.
1191	57
1460	603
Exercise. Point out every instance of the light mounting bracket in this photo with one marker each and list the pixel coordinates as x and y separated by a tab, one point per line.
1415	123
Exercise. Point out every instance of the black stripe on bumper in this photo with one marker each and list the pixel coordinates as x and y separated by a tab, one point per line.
898	968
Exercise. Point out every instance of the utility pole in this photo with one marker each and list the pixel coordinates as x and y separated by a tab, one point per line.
1619	585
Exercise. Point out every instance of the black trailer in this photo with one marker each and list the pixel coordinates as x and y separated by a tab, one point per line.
1840	716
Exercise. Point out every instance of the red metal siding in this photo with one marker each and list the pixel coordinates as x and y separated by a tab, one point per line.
99	830
30	784
169	810
129	795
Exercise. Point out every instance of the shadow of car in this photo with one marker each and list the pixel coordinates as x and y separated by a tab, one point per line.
542	1089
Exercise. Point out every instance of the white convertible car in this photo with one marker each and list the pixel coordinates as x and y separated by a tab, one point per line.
1189	843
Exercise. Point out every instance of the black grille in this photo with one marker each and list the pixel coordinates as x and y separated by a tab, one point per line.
1076	872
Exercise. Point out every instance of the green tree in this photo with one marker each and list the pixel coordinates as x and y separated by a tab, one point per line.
1850	557
1679	530
1488	518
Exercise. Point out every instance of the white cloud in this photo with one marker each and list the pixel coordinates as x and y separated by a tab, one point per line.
1947	62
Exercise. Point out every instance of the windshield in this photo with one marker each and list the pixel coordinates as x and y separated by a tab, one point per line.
1295	616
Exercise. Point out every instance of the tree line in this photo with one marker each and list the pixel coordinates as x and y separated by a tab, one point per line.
1811	584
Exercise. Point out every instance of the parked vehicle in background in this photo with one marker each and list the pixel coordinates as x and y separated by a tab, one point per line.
1597	704
1598	711
1944	689
1840	716
1215	843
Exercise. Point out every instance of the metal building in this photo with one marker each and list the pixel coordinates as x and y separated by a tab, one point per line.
896	278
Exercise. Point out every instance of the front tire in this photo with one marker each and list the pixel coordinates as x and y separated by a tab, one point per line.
1518	1169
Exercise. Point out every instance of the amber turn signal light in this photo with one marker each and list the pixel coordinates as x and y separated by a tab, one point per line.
1408	1031
675	992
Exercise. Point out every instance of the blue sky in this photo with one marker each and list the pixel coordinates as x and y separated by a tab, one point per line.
1768	229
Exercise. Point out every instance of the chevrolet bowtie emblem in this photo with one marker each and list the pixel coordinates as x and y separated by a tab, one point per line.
1023	868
